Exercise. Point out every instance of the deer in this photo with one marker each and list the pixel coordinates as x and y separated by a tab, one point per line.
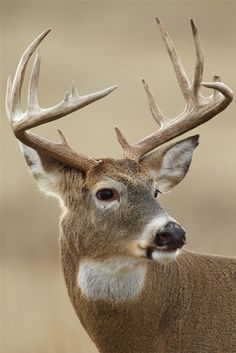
133	285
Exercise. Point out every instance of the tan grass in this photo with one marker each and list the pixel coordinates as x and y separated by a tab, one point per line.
37	316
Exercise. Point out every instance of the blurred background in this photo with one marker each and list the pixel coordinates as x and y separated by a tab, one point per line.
100	44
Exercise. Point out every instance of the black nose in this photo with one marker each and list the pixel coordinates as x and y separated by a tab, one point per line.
172	236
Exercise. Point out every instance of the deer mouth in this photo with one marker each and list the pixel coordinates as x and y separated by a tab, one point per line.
167	250
152	251
144	249
162	255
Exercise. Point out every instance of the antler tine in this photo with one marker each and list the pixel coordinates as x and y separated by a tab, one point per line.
19	76
23	121
221	101
182	78
155	110
199	66
199	109
33	86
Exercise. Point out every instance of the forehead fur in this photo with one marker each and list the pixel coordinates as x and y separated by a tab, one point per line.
122	170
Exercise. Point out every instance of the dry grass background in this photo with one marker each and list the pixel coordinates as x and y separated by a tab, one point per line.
101	44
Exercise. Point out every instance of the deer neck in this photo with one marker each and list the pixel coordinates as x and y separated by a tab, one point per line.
118	286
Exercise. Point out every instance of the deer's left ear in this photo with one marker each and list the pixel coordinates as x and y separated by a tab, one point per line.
169	165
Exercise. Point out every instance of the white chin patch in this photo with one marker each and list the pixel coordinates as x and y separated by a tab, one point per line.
164	256
115	279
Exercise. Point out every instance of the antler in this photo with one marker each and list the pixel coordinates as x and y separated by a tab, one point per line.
198	110
34	115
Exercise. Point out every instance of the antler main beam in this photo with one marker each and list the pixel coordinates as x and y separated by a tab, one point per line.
34	115
198	110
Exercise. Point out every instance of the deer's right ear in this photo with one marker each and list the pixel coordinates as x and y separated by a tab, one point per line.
45	170
169	165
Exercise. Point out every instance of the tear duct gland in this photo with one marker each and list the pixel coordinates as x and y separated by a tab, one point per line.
127	303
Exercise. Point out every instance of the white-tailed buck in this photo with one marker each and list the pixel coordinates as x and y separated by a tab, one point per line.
132	286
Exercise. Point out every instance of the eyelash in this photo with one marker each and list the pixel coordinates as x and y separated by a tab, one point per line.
156	193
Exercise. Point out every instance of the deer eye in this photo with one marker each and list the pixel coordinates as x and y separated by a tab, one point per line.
107	194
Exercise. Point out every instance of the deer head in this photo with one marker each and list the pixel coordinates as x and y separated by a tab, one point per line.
110	205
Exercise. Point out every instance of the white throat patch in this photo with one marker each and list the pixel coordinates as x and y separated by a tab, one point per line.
116	279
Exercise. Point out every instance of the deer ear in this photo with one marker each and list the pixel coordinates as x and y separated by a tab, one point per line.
169	165
45	170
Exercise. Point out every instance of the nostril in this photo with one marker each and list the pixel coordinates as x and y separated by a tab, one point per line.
165	237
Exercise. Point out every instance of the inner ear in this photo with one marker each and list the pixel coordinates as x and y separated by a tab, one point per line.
169	165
